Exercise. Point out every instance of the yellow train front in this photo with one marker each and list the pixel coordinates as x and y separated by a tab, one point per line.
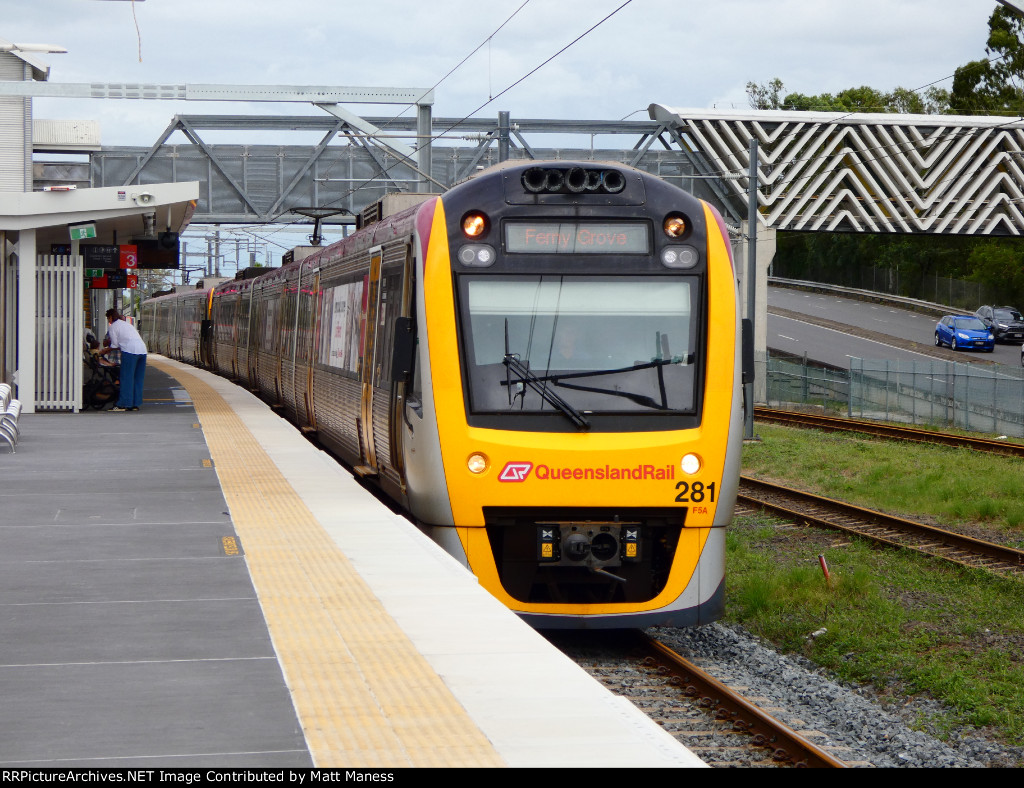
576	393
542	366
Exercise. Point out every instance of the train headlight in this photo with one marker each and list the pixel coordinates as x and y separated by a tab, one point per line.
679	257
675	225
474	224
477	255
478	462
691	464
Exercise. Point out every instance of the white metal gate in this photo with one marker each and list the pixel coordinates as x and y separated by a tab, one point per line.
59	332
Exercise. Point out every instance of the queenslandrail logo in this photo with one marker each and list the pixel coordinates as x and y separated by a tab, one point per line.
519	471
515	471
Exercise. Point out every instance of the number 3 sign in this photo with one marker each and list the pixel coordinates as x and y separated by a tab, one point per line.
130	257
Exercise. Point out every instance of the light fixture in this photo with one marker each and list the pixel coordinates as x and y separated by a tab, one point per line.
478	462
675	225
474	224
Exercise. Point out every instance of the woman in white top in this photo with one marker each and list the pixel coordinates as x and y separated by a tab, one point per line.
124	337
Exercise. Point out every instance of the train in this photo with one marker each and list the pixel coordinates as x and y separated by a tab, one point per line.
543	367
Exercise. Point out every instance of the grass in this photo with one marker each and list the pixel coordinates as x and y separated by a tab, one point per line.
908	625
947	485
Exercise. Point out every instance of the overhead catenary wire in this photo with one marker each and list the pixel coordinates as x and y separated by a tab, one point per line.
491	99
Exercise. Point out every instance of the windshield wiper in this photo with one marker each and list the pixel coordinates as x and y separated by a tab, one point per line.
524	375
640	399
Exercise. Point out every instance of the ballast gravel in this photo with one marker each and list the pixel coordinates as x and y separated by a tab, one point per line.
855	727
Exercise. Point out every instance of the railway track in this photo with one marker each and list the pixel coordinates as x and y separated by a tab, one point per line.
881	528
896	432
713	720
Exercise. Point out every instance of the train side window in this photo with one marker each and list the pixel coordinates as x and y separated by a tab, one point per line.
340	325
390	306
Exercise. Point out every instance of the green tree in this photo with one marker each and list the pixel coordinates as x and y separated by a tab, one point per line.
992	86
859	99
764	96
997	264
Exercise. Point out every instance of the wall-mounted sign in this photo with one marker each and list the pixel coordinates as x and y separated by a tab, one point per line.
79	232
112	280
129	257
143	253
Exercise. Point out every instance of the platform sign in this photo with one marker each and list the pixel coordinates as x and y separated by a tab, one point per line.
80	232
101	256
113	280
129	257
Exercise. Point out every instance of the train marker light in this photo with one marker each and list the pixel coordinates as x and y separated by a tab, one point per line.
691	464
679	257
675	225
474	224
477	463
477	255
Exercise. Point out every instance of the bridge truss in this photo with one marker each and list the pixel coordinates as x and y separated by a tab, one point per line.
346	168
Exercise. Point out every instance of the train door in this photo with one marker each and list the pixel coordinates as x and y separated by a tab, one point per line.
306	344
251	366
402	346
368	366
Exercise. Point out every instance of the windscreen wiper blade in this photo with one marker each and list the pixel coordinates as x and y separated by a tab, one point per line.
524	375
640	399
657	363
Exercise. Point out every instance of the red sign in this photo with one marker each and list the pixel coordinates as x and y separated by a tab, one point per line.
129	257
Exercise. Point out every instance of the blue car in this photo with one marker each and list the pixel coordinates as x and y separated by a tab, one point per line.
964	332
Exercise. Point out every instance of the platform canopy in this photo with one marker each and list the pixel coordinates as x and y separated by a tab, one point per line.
119	214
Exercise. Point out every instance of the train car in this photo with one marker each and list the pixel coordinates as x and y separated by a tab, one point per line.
174	324
542	366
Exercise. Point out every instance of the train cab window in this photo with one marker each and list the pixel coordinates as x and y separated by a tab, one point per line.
602	344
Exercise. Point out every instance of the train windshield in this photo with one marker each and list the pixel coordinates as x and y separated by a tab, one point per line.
581	344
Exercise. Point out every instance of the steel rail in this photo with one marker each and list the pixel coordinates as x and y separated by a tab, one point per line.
883	528
834	424
787	745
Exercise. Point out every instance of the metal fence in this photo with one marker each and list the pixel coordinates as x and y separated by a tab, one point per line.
59	297
935	393
955	293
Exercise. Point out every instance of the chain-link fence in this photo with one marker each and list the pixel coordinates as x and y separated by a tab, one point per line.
937	393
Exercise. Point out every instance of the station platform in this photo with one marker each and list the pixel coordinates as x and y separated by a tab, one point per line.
196	585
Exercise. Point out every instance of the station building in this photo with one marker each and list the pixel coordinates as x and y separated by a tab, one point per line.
46	306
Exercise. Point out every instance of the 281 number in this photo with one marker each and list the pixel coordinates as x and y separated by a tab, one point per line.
697	492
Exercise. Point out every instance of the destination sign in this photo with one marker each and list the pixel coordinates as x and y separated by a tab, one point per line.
577	238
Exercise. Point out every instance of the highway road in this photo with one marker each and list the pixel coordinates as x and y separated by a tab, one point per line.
835	347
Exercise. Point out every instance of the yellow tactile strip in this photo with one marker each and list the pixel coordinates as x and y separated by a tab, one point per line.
364	695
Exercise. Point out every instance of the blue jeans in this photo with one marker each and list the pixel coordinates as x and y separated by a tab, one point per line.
133	376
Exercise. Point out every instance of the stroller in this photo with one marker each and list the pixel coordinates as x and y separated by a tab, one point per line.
101	386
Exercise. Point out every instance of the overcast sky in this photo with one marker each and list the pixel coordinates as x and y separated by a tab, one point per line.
677	52
683	53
